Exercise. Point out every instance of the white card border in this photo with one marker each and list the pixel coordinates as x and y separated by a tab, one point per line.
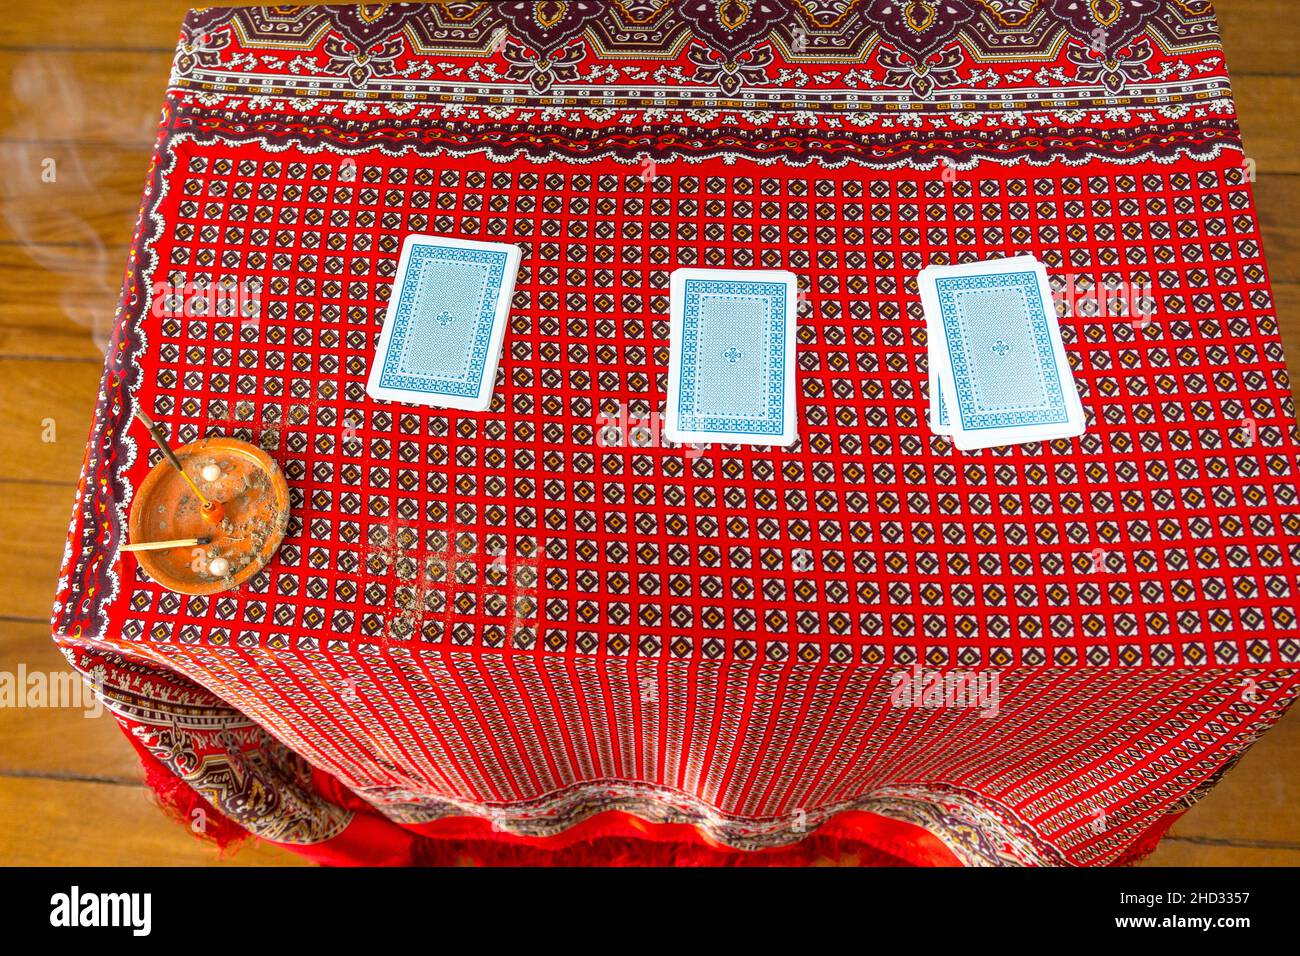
676	287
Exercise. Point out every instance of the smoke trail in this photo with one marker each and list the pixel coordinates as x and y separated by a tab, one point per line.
51	102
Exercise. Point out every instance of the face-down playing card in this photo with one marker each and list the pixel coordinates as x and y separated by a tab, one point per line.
446	318
996	351
731	359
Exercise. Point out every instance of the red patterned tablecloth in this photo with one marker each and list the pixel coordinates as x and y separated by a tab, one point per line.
540	632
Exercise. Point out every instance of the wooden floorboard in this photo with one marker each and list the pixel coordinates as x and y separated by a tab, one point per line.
85	93
34	526
1277	204
95	100
48	405
59	299
67	743
91	202
147	26
82	823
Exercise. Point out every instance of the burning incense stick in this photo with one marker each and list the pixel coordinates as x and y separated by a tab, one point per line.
161	442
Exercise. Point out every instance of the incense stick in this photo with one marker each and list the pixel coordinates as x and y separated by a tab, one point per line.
160	545
161	442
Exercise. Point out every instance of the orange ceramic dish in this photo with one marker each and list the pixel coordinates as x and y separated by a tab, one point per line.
250	489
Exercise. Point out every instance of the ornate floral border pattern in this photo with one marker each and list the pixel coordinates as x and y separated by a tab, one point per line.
876	82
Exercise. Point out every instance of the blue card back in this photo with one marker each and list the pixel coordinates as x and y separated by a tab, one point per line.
733	367
999	341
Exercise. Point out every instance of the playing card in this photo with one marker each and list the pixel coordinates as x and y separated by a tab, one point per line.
731	371
996	353
446	318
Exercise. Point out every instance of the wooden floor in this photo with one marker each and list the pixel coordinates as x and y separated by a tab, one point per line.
83	90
